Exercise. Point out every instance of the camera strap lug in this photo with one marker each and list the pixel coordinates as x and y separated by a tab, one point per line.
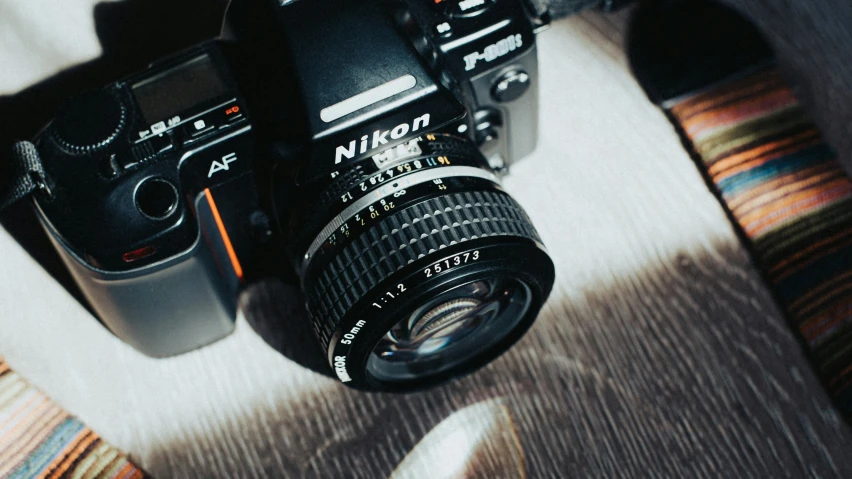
28	175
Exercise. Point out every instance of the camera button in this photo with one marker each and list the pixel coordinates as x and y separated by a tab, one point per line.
199	128
510	86
156	198
444	30
233	114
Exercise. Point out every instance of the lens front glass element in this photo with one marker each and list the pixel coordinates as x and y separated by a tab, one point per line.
450	329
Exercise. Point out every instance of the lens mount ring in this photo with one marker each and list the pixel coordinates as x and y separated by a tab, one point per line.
352	345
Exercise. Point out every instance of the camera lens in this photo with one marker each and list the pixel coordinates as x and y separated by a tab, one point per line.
417	267
450	329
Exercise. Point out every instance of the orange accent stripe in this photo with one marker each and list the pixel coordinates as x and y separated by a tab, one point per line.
720	165
37	398
738	89
784	208
73	451
783	190
796	177
838	293
127	469
842	385
739	112
812	253
719	173
818	324
31	438
840	376
235	262
12	437
818	295
755	223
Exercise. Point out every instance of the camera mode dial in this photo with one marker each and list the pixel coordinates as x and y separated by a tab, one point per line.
88	122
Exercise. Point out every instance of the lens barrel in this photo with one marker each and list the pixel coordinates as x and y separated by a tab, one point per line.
420	271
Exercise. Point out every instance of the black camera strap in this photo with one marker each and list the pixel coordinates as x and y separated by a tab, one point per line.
27	175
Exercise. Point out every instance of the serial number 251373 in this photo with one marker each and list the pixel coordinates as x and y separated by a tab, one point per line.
451	263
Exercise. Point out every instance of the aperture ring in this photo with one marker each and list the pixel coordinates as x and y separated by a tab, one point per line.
375	186
375	213
403	238
387	191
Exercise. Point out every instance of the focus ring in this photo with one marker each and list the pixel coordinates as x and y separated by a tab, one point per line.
314	215
403	238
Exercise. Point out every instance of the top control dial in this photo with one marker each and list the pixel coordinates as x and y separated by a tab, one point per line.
89	121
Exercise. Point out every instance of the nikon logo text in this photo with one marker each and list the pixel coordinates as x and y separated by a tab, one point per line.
379	138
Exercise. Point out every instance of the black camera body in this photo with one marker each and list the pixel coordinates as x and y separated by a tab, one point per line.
362	140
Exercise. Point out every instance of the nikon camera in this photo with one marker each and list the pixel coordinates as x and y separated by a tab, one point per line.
360	140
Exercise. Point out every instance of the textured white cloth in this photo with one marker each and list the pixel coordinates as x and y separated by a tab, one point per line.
658	328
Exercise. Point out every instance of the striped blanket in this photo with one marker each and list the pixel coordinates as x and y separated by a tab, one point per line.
39	439
784	187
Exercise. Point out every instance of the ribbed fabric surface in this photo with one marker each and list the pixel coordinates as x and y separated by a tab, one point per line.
39	439
784	187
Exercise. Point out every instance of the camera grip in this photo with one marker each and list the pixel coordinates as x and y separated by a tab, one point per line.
170	307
